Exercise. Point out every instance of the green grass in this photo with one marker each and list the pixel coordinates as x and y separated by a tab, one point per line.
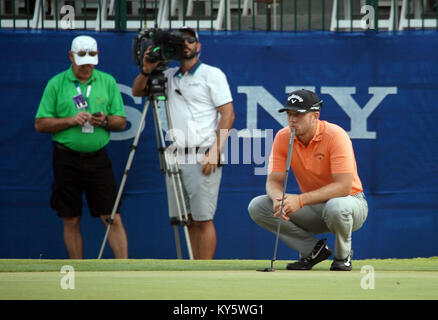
216	280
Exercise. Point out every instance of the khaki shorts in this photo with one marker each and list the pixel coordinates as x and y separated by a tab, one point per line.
200	192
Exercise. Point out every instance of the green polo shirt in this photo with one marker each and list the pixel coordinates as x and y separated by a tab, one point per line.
57	102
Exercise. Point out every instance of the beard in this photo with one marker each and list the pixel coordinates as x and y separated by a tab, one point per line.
189	55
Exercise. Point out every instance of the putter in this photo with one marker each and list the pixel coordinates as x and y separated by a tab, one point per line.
289	156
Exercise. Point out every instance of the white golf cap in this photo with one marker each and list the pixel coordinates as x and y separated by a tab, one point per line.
84	44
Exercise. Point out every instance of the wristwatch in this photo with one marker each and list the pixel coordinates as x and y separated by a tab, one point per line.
105	122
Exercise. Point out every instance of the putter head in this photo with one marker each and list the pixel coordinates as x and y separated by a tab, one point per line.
271	269
266	270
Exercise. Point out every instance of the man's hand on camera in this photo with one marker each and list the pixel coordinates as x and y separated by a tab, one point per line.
140	86
148	67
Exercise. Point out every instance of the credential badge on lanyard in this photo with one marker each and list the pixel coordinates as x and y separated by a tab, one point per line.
79	99
81	104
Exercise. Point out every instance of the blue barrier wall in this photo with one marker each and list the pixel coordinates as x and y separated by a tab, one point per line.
382	88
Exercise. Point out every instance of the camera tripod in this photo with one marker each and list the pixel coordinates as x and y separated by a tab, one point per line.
168	164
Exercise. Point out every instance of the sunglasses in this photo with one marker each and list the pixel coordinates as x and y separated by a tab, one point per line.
84	53
190	39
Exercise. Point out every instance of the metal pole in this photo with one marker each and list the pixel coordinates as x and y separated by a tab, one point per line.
172	168
289	156
163	167
323	15
125	175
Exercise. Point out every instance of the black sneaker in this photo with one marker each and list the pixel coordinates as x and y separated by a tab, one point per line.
319	253
342	264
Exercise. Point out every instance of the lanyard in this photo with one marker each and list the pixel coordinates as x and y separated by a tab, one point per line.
81	104
79	100
78	89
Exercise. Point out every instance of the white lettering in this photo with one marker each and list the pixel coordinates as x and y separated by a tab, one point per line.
257	95
68	281
133	116
358	116
258	157
367	281
236	309
68	21
367	21
184	310
251	148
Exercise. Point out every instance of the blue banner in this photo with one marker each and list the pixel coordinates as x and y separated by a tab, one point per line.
381	88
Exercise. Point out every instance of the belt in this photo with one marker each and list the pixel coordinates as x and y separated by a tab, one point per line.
196	150
359	195
62	147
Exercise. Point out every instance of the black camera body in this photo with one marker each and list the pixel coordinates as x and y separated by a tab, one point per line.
166	45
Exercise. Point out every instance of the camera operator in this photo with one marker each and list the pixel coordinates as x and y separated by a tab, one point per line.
201	106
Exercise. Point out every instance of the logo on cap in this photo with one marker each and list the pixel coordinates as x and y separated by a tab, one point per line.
294	98
302	101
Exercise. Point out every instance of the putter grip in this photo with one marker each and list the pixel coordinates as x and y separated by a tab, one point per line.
289	153
288	160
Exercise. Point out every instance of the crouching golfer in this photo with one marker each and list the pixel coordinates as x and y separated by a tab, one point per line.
331	198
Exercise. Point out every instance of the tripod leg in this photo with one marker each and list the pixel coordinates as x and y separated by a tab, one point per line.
177	242
173	170
125	175
173	222
175	175
185	215
161	147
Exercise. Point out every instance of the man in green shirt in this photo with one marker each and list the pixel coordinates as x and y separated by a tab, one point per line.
80	107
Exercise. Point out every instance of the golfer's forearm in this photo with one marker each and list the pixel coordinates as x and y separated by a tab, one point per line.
274	189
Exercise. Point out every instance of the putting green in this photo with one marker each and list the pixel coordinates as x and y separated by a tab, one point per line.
217	280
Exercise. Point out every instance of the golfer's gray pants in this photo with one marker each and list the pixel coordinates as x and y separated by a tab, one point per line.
340	216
